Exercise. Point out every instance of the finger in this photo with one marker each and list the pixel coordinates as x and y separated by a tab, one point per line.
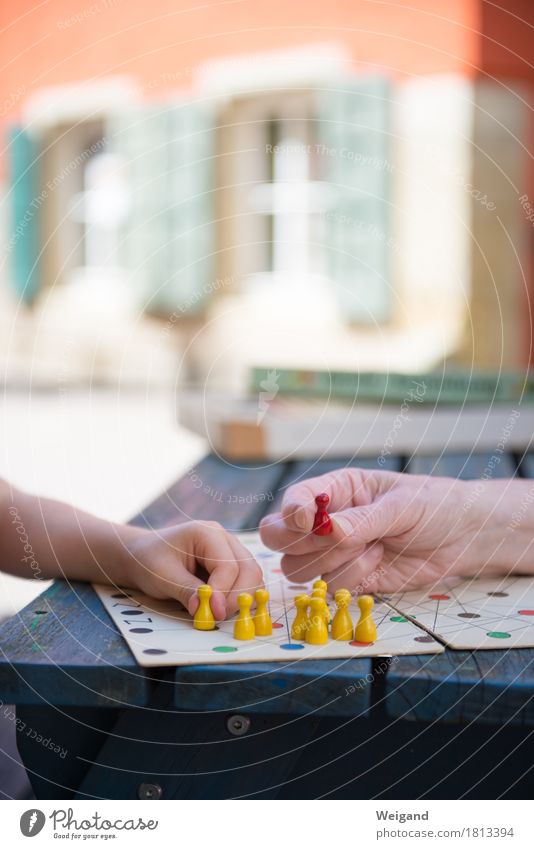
360	576
384	517
214	553
345	488
305	567
249	578
351	531
232	568
184	587
217	604
298	503
275	534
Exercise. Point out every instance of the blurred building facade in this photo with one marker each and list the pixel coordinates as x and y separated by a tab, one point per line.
345	168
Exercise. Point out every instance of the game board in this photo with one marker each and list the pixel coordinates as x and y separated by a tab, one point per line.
161	633
496	613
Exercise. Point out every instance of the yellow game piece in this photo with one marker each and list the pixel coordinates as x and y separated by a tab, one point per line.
342	623
204	619
262	621
320	585
244	624
301	620
319	592
365	630
317	632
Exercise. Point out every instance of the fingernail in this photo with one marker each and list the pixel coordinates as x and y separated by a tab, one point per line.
300	520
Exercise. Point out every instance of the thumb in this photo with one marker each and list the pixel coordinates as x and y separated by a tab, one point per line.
178	583
186	591
367	523
185	587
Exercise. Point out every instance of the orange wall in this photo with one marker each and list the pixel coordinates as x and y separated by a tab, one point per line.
507	39
43	43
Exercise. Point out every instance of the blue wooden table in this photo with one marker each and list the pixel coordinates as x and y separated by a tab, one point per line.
93	724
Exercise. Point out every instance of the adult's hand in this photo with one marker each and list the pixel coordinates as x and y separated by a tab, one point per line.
396	531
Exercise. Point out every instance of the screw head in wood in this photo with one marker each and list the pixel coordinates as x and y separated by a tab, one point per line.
238	724
149	791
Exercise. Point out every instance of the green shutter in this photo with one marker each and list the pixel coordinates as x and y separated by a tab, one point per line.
192	232
26	204
356	160
167	245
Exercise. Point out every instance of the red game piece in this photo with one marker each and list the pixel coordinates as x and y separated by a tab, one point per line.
322	523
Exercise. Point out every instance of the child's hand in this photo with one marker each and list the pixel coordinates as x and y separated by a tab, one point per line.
164	563
390	531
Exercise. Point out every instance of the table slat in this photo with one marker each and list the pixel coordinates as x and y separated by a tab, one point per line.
527	465
321	687
234	495
489	687
63	648
464	466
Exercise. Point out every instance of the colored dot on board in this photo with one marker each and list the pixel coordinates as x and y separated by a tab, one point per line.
439	597
469	615
154	651
499	635
298	587
499	595
132	612
425	639
291	646
526	612
277	625
140	630
357	643
398	619
224	649
119	595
